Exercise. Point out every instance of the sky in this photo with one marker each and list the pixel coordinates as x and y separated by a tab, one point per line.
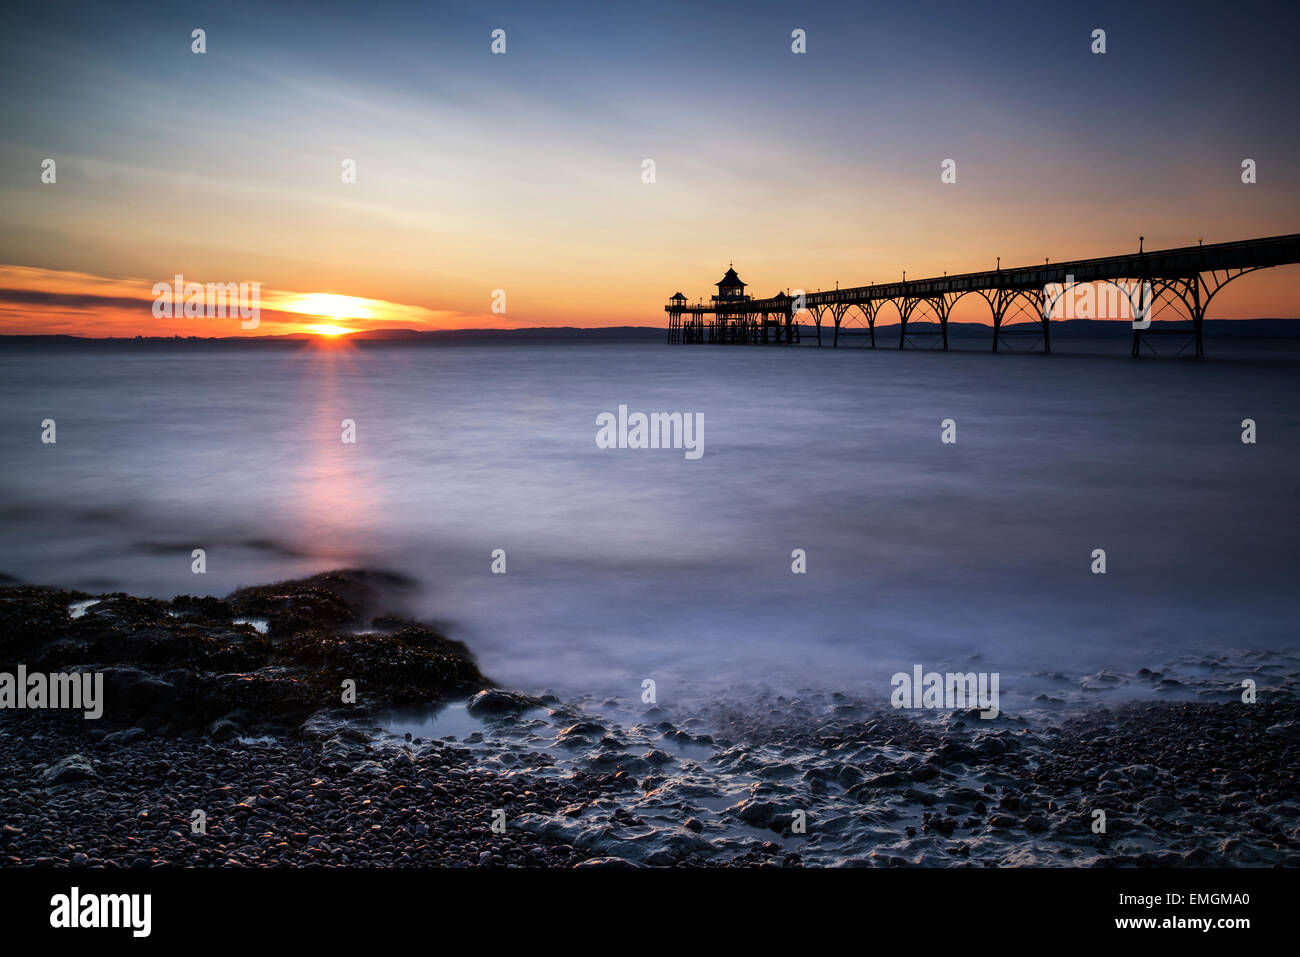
516	180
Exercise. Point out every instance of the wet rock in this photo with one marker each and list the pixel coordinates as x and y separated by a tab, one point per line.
624	780
1142	773
953	753
73	768
1101	681
1285	729
944	825
223	729
755	811
889	779
846	775
580	735
496	702
1159	805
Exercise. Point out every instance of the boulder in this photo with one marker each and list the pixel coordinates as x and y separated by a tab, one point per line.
73	768
496	701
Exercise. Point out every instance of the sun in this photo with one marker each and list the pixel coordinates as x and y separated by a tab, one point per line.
331	306
329	329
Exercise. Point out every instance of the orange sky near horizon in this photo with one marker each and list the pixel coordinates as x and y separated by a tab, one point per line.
52	302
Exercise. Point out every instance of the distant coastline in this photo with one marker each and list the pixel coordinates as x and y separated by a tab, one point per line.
406	336
1068	328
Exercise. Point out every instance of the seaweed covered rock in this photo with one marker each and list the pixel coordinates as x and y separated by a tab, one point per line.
184	666
404	673
330	600
31	616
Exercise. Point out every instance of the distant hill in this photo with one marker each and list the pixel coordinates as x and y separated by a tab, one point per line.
532	334
1064	329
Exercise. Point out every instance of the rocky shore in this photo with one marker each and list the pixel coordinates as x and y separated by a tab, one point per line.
235	709
228	739
261	660
129	800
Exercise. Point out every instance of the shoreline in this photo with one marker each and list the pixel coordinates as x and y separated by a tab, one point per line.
230	707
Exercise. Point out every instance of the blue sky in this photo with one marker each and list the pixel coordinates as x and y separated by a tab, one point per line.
522	171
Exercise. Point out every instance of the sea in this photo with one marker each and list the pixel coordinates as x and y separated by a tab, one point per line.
852	513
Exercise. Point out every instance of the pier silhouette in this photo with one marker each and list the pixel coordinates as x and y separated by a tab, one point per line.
1178	283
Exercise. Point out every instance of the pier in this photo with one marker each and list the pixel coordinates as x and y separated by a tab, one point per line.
1170	286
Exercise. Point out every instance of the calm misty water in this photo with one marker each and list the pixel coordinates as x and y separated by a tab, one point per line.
626	564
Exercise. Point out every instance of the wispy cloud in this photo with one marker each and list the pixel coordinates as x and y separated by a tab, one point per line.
36	301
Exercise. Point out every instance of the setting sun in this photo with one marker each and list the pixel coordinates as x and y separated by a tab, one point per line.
329	329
